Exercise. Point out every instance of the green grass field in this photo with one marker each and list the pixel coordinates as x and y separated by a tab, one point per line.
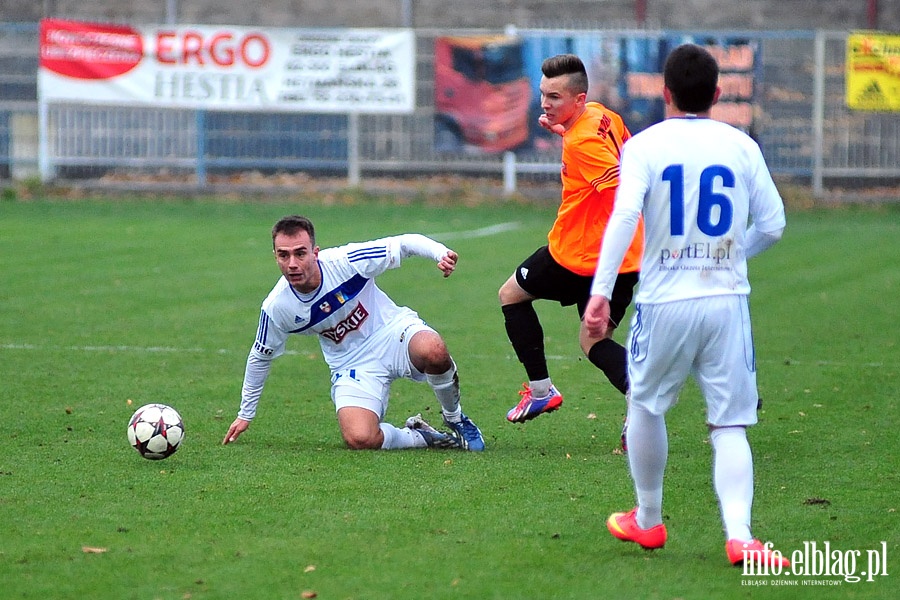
107	305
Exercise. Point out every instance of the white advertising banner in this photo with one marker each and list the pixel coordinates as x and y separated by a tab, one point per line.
220	67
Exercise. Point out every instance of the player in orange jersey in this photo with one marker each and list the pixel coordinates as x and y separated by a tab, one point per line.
562	270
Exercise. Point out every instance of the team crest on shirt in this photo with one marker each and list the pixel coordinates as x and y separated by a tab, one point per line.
523	272
325	307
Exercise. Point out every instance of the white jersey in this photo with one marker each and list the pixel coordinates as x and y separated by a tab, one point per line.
344	312
699	184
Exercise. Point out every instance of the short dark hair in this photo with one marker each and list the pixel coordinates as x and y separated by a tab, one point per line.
567	64
291	224
691	74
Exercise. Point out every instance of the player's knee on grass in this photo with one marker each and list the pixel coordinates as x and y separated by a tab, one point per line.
359	428
356	440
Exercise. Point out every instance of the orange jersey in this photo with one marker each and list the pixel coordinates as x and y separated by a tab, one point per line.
591	151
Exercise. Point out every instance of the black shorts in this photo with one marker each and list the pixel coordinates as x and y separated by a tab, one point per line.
542	277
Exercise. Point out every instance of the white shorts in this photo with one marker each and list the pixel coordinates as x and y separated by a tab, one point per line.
367	384
709	338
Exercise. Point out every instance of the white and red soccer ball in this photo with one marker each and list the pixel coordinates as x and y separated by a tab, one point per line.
156	431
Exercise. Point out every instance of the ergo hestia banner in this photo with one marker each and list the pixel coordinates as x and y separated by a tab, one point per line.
220	67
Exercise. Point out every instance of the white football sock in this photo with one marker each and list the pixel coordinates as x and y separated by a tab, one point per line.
446	389
733	479
648	451
400	439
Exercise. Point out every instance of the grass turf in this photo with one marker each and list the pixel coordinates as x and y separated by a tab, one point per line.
108	305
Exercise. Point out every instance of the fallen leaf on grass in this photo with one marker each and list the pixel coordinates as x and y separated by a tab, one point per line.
308	594
93	550
309	568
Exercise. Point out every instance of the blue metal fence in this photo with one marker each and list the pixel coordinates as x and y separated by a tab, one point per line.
800	122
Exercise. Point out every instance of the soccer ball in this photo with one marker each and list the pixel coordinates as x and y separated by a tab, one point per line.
155	431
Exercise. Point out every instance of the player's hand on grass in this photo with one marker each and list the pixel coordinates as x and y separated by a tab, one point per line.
596	316
237	428
447	264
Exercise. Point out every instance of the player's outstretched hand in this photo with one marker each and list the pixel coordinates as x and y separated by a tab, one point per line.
596	316
237	428
447	264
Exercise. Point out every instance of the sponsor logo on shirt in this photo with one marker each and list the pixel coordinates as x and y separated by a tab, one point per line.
353	322
603	128
262	349
406	329
711	255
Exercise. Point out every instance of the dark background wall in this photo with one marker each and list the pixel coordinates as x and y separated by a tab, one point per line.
837	15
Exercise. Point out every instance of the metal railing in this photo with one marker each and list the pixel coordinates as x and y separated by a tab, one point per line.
800	121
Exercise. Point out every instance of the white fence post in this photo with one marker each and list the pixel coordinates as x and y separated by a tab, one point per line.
509	172
353	170
45	168
818	114
200	123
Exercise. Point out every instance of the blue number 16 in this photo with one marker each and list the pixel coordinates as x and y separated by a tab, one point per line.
674	174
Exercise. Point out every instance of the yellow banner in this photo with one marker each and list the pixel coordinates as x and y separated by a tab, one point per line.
873	71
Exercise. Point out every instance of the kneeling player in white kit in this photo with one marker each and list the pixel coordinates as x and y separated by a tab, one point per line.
367	340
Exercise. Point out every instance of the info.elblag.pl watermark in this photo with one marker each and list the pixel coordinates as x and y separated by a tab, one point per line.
816	565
